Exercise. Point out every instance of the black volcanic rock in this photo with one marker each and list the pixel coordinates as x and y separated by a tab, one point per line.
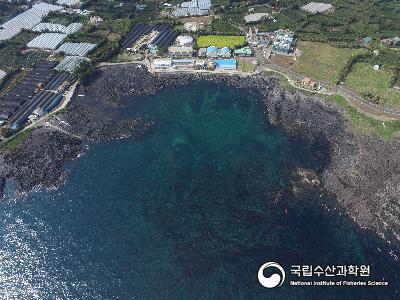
362	171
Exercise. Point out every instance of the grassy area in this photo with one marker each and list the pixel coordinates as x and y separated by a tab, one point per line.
231	41
373	84
288	87
360	122
16	140
364	124
246	65
127	57
323	61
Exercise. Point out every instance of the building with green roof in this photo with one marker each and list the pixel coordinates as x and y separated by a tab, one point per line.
245	51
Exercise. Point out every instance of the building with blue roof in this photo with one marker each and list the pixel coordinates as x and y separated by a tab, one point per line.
226	64
225	52
367	40
212	52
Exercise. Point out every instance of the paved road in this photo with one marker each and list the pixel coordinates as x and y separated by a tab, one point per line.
374	110
355	100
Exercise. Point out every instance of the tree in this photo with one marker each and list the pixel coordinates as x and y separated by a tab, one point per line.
85	70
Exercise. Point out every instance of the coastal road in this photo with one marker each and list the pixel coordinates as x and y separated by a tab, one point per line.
376	111
372	110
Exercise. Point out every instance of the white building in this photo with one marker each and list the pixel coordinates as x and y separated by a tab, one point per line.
174	51
184	40
163	63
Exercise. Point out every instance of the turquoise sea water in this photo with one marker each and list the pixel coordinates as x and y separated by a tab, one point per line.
190	212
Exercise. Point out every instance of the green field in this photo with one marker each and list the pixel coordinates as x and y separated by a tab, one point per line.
364	124
231	41
372	84
16	140
322	61
246	65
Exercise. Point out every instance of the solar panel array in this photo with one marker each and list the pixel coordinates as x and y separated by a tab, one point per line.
25	89
136	32
17	105
79	49
164	38
47	41
26	20
68	2
70	63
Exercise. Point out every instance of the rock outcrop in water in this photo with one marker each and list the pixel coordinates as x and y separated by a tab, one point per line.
361	170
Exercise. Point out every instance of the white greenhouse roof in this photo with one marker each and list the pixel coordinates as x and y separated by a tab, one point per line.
73	28
68	2
45	7
51	27
70	63
317	7
193	8
79	49
255	17
188	12
47	41
2	74
201	4
26	20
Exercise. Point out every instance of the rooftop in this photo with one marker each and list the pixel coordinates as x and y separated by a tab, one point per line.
255	17
244	50
212	49
180	49
79	49
70	63
26	20
47	41
68	2
316	7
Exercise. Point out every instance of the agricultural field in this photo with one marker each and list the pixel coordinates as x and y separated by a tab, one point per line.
350	20
9	10
322	61
10	57
220	41
127	57
373	84
64	19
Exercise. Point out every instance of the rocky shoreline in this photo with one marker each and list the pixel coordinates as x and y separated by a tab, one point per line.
362	171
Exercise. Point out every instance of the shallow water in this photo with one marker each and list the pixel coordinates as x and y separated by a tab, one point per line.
190	212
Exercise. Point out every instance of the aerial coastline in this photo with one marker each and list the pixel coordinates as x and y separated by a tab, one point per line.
352	158
185	145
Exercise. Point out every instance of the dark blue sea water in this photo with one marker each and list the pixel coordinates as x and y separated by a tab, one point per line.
190	212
